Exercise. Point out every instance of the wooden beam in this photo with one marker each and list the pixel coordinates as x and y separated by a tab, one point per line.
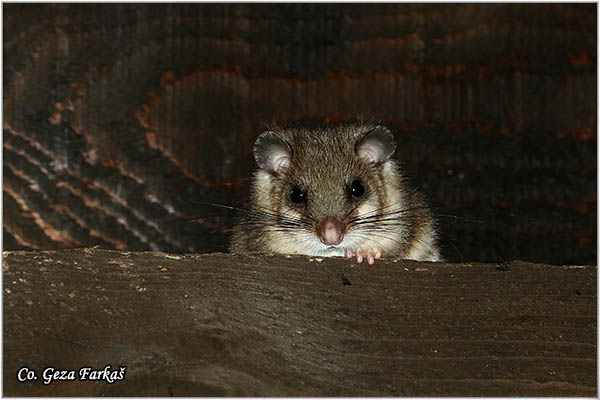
227	325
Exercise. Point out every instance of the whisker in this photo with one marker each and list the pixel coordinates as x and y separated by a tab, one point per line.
378	215
219	205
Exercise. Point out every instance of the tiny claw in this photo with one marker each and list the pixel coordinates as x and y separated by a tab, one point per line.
370	260
359	258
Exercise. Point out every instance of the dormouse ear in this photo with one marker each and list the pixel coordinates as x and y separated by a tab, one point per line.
376	146
272	153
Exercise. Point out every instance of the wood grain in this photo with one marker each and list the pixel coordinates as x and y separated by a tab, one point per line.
223	325
120	121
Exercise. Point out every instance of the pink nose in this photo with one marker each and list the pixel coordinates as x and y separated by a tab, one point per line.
331	231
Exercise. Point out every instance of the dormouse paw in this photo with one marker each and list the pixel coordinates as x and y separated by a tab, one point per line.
370	254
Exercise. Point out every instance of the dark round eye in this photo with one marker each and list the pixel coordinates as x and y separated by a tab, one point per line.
357	188
297	195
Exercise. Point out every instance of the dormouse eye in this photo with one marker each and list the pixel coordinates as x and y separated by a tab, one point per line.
297	195
357	189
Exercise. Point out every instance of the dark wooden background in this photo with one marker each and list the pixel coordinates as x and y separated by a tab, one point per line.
120	120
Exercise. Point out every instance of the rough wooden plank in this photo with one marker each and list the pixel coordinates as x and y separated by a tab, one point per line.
120	119
218	324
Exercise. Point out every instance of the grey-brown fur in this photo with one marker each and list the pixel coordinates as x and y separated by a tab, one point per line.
324	163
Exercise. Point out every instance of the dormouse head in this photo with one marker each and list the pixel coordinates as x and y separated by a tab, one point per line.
322	180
